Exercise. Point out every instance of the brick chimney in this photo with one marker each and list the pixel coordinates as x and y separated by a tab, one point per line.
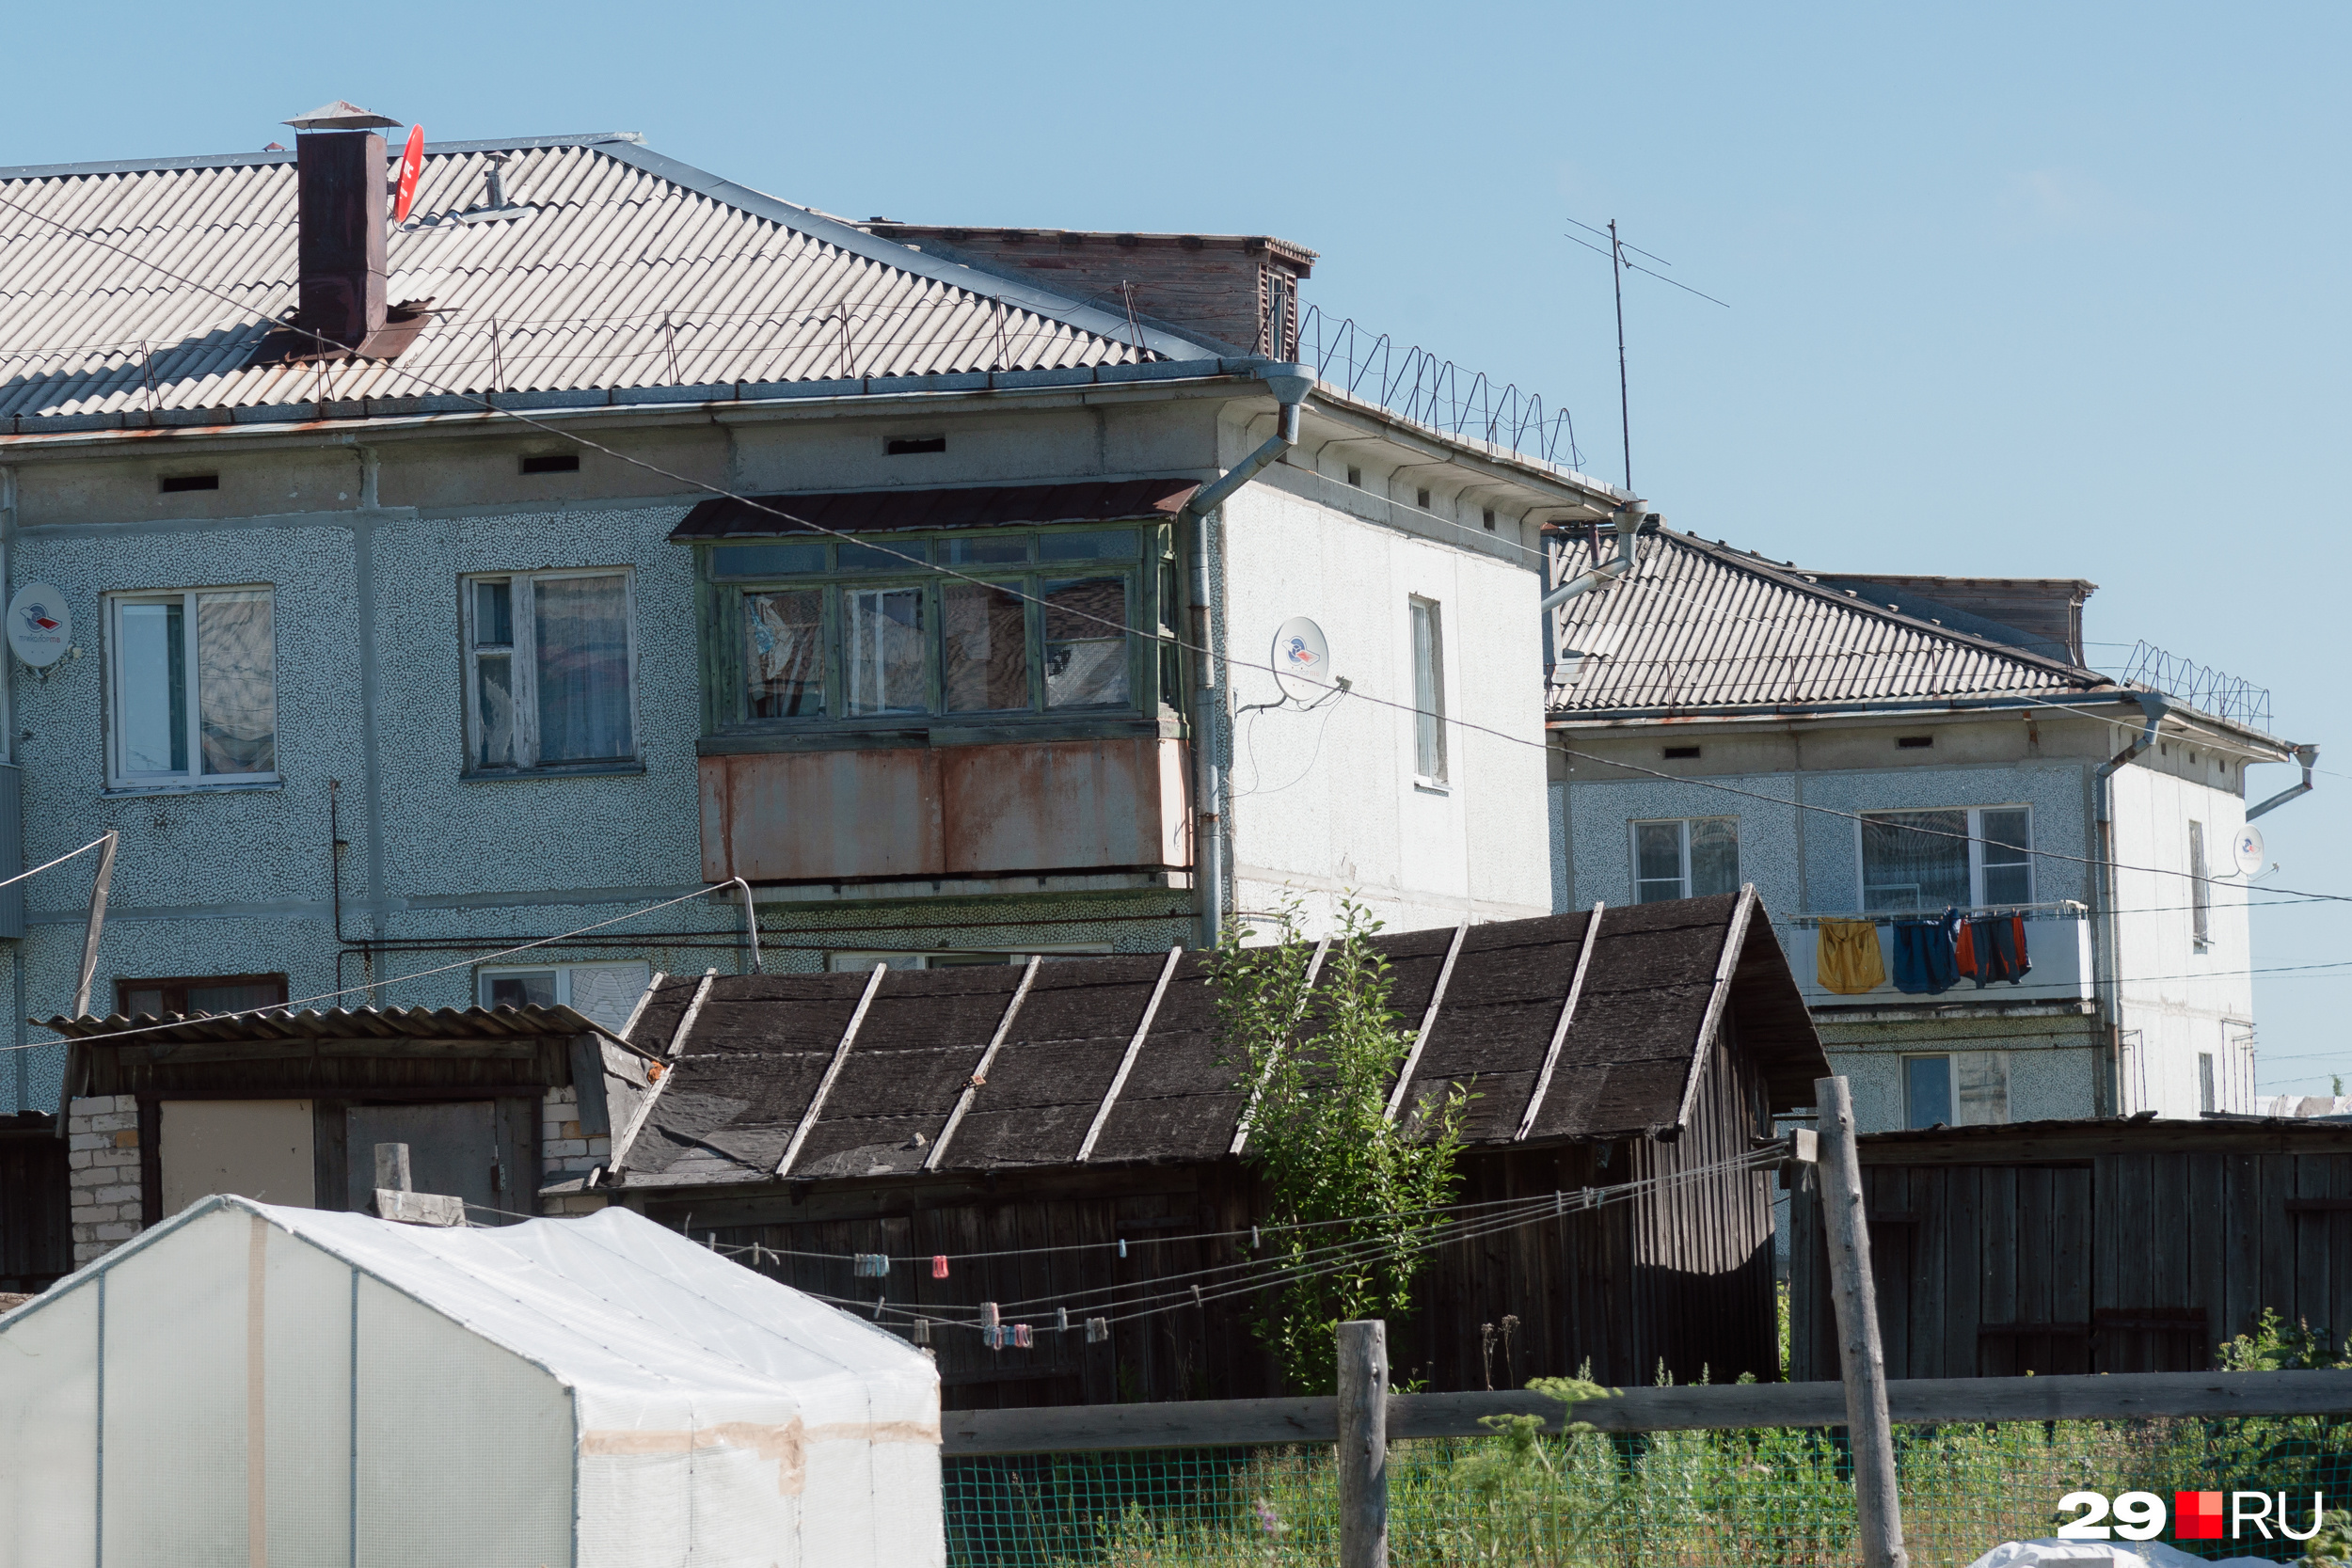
339	167
1236	293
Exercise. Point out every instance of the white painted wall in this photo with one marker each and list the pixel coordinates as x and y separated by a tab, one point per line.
2182	1001
1324	803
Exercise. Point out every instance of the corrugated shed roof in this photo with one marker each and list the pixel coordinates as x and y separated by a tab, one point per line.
760	1046
1695	626
631	271
449	1025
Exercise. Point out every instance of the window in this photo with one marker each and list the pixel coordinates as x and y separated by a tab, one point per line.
188	995
863	961
1930	860
195	688
1428	692
606	992
1927	1091
2200	891
859	631
1685	859
548	659
2206	1101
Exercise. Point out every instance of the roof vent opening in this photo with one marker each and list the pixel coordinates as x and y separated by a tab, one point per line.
173	485
1356	478
1913	742
914	446
1490	520
1682	753
1421	499
552	463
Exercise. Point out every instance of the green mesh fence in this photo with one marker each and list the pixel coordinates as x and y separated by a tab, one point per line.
1686	1499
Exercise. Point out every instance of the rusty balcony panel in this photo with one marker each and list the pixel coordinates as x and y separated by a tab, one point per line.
951	811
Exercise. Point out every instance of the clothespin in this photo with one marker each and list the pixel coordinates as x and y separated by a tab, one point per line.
1061	1319
872	1265
1122	1246
992	1337
1196	1297
1253	1238
1020	1337
922	1331
939	1265
988	1314
878	1307
710	1240
1098	1330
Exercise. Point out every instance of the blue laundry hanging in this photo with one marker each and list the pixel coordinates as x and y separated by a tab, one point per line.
1926	954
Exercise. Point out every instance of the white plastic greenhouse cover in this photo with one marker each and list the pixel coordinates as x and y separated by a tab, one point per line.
248	1385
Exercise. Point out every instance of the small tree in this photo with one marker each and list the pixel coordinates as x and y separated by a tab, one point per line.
1357	1187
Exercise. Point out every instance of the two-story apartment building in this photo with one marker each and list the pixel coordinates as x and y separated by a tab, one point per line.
1898	761
666	541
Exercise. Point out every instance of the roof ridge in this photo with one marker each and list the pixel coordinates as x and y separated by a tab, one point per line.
285	155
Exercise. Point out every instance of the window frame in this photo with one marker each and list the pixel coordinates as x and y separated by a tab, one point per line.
182	984
861	961
523	655
2200	891
119	778
1682	826
1951	1087
562	969
1429	706
1977	842
1150	576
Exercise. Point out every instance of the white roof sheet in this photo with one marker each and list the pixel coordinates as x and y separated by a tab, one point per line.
632	270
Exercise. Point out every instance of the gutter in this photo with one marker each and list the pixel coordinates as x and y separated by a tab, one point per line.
1629	521
2309	757
1290	385
2106	978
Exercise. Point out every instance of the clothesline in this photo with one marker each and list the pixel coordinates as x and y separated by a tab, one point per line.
1921	955
2062	909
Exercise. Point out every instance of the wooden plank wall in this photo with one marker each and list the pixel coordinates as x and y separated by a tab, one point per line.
2122	1262
35	1244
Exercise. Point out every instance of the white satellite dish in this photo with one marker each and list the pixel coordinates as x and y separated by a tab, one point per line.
40	628
1300	652
2248	848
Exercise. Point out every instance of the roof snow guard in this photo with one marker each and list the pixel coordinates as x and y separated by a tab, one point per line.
1117	1059
136	295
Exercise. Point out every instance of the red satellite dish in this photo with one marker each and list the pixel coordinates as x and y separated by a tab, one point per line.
411	164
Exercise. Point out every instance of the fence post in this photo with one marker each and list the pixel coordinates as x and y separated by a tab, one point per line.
1363	1447
1860	1355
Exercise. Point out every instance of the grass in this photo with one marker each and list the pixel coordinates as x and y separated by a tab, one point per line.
1692	1500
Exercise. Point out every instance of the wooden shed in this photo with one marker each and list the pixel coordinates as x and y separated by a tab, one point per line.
2086	1246
1043	1115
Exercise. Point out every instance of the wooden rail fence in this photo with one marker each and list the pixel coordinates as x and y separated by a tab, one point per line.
1217	1423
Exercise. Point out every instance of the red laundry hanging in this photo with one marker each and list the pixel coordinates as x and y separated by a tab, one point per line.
1967	949
939	1265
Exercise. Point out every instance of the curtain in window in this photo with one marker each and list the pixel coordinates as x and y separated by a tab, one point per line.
785	653
1657	861
986	637
154	687
582	626
881	650
1086	645
1714	856
236	683
1914	860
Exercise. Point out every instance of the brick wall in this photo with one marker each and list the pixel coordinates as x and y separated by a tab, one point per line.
102	1174
566	1152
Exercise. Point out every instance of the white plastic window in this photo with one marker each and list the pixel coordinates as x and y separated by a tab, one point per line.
551	661
1428	692
605	993
1693	858
195	688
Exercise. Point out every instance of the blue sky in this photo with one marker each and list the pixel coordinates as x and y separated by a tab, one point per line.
2016	290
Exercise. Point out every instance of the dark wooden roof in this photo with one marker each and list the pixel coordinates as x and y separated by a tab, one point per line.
759	1046
969	506
2036	1142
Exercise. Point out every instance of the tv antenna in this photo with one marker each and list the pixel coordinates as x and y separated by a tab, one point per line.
1618	263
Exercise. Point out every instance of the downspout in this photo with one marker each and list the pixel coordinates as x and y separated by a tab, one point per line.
1628	525
2109	978
2309	757
1290	385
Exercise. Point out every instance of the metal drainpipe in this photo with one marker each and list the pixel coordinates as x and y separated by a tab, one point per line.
2154	705
2309	757
1290	385
1629	523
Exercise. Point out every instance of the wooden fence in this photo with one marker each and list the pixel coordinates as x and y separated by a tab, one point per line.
1216	1423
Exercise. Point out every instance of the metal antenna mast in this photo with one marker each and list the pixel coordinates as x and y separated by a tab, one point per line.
1625	416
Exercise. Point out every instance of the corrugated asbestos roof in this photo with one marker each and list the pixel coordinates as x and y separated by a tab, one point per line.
759	1046
456	1027
1698	626
631	271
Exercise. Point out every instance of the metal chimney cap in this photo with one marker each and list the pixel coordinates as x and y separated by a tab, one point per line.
341	115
